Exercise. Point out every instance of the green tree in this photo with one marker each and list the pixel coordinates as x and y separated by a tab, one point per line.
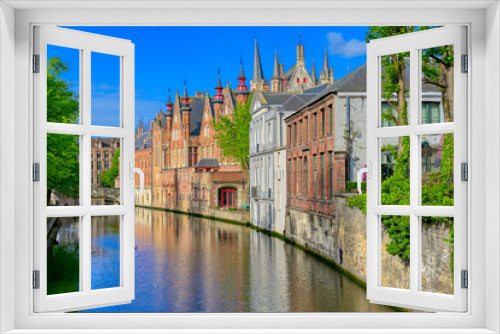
109	177
232	133
62	150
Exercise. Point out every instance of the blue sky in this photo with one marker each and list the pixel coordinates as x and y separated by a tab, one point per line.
165	56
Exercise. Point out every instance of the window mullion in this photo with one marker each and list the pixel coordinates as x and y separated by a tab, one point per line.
414	112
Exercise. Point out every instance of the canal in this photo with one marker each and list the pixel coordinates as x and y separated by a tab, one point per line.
191	264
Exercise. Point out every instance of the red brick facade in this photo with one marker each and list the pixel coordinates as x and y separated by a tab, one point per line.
315	172
180	138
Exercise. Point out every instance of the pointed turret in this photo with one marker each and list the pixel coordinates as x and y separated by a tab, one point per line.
325	64
185	99
276	80
257	66
242	91
218	98
258	83
276	70
313	73
325	75
170	105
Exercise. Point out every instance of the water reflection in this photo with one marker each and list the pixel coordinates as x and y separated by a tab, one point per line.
189	264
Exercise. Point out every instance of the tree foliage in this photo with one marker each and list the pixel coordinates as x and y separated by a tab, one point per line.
63	165
232	133
109	177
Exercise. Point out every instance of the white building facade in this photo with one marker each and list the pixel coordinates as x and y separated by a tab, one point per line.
268	157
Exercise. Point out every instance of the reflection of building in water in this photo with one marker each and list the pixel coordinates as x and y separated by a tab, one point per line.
69	232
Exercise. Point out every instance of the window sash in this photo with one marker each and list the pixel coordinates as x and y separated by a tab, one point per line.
413	297
86	297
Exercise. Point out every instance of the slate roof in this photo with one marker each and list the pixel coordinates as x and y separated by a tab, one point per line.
355	81
196	105
275	98
296	101
207	163
317	89
143	141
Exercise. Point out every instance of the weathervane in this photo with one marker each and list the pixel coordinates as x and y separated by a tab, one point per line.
300	37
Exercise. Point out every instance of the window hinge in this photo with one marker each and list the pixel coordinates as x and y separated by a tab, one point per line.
36	63
464	171
36	172
36	279
465	63
465	279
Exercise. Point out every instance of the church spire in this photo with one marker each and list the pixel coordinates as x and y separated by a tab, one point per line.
258	83
325	64
257	66
276	71
313	73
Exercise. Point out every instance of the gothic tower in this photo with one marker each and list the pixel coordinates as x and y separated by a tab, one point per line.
277	80
326	75
258	83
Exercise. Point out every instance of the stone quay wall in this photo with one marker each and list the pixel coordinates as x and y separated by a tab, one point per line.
341	238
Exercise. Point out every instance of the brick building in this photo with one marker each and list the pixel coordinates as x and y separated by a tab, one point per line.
315	171
187	170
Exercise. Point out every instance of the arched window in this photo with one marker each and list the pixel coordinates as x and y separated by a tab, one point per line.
228	197
298	80
305	80
195	195
203	193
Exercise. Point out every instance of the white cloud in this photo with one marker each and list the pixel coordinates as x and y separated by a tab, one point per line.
337	45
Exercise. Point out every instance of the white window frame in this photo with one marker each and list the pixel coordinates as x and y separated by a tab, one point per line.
85	43
484	47
414	42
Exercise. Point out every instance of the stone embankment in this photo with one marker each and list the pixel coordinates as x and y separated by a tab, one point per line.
341	239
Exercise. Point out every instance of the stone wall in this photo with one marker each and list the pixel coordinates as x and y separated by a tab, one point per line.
341	238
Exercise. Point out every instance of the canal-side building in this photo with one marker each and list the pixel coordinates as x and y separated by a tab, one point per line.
187	169
267	156
326	146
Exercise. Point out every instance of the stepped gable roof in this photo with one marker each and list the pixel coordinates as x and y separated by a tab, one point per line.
316	90
143	141
207	163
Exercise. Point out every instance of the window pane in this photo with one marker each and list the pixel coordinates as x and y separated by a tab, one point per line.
105	246
105	154
437	254
437	85
395	90
395	252
105	90
63	84
437	169
63	255
63	169
395	170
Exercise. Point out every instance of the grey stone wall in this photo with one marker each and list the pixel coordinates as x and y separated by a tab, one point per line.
342	239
